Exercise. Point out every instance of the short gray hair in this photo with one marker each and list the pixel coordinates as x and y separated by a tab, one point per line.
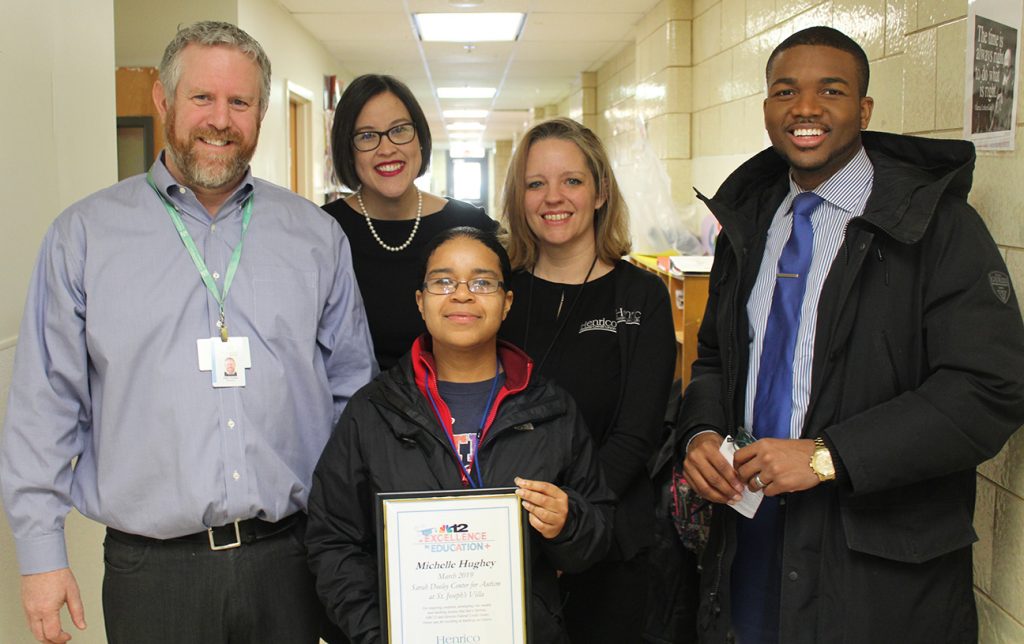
210	33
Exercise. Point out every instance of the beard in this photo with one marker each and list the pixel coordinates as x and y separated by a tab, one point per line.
205	170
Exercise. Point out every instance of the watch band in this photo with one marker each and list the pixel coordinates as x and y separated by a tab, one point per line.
821	461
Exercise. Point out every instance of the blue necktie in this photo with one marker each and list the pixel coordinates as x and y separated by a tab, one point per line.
757	568
773	399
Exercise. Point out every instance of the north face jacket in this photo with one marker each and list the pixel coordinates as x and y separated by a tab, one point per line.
390	440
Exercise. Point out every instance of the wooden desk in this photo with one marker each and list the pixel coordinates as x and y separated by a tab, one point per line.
689	296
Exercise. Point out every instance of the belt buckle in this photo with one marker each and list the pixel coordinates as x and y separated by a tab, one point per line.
226	546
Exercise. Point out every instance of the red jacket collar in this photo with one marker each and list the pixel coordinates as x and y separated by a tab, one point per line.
516	364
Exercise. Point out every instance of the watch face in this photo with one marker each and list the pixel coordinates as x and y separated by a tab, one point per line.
823	463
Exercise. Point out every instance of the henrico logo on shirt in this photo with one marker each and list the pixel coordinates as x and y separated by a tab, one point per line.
622	316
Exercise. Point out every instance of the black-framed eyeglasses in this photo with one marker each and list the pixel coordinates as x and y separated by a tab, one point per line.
448	285
369	140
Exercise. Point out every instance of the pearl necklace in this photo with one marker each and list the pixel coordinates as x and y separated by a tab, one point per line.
415	226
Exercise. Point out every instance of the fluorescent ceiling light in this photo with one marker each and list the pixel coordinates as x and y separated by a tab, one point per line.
469	27
466	92
465	136
465	114
466	126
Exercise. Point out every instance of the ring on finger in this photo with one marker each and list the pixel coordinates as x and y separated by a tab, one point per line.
760	484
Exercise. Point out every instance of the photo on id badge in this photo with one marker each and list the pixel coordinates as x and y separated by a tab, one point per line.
227	371
227	361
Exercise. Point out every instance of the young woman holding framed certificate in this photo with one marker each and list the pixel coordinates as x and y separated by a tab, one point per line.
460	411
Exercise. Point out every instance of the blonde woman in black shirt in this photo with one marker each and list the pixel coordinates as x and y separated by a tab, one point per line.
602	329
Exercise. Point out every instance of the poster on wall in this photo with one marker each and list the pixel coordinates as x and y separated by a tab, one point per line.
332	93
993	58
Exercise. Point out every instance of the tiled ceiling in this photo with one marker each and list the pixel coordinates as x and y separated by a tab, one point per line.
559	40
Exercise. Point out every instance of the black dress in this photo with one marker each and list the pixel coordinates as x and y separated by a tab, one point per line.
389	280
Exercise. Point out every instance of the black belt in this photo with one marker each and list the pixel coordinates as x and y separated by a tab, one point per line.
224	537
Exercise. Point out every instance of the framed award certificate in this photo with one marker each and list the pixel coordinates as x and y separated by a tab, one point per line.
454	567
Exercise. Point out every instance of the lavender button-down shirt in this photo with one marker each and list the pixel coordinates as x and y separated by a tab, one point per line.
106	369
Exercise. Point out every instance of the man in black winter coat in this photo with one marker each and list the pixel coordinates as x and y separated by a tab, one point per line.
900	366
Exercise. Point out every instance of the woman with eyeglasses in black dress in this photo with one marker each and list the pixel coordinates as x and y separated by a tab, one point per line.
381	143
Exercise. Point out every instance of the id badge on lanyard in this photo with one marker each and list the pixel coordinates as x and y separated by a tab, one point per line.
225	357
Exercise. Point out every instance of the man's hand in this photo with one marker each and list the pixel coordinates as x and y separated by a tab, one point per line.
43	595
547	505
783	465
708	472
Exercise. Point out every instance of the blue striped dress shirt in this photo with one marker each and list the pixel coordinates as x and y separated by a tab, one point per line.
845	195
107	371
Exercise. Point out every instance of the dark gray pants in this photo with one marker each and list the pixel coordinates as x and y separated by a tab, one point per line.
181	592
606	604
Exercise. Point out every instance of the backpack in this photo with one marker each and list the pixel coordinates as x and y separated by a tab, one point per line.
682	521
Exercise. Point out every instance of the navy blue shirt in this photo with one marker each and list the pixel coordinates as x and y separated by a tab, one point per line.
469	403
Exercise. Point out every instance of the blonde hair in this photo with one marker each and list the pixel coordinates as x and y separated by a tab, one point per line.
611	220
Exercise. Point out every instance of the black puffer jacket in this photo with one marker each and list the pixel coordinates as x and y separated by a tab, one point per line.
389	440
918	377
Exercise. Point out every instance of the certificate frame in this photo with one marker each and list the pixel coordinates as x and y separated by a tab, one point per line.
433	572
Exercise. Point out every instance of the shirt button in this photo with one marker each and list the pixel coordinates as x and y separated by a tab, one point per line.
231	424
235	475
793	575
213	228
181	189
216	276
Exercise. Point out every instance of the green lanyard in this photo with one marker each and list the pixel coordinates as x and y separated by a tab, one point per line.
197	258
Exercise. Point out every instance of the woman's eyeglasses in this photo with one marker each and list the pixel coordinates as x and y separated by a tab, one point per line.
369	140
448	285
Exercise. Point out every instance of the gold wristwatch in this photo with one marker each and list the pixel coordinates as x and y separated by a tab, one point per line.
821	461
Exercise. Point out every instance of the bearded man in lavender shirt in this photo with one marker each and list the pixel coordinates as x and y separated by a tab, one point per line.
201	479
